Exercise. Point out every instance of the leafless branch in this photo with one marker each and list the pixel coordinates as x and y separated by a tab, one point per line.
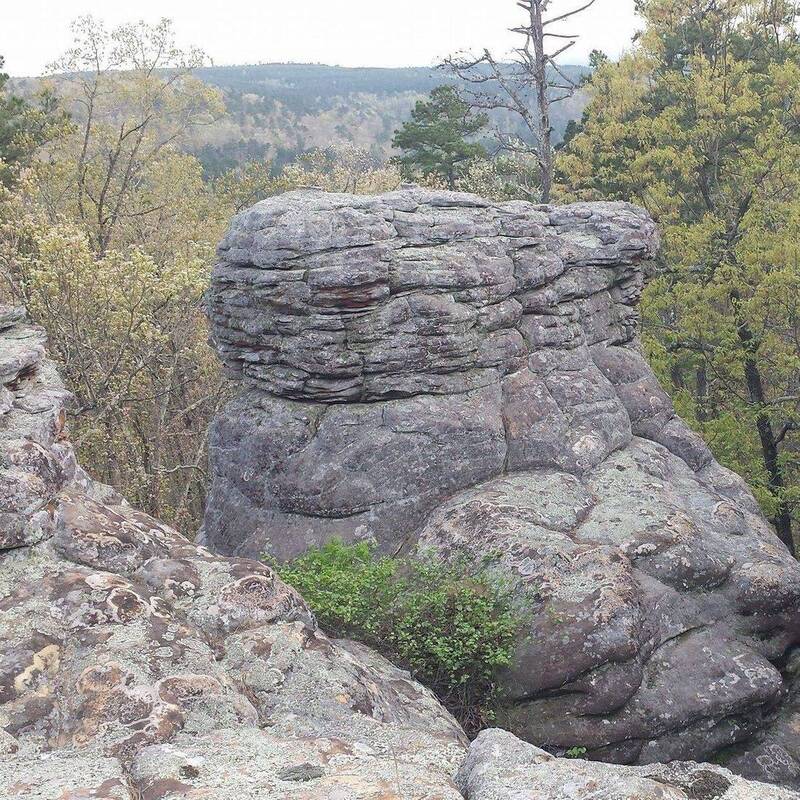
526	87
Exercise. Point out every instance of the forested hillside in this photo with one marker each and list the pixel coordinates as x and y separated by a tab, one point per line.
279	111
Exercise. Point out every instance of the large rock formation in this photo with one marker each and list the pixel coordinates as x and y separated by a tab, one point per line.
437	372
135	665
405	347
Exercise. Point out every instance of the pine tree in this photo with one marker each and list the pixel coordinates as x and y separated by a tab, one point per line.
23	127
436	140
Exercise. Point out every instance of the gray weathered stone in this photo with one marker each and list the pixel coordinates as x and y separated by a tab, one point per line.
403	347
501	767
136	665
439	373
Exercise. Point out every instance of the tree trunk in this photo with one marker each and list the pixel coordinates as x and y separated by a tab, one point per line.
782	520
701	392
545	143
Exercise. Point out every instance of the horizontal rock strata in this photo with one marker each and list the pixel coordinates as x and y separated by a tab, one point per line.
439	373
400	348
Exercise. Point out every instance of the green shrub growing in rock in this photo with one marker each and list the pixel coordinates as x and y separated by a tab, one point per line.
451	631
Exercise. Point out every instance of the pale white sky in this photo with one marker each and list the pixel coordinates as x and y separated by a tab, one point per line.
346	32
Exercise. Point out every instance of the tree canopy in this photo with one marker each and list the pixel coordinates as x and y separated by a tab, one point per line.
700	123
23	128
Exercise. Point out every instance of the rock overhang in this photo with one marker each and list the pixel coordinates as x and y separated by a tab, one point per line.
335	299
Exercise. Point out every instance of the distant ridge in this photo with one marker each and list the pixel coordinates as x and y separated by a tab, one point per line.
278	111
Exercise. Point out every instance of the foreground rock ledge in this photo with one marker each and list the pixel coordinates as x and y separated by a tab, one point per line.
135	665
443	374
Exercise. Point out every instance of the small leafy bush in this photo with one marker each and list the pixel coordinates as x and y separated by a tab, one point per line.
452	631
575	752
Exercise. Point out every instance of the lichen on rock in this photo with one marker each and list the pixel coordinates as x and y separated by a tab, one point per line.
138	665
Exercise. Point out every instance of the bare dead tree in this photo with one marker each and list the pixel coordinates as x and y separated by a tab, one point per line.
527	86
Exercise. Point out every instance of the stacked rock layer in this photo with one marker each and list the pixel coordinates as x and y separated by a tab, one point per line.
137	665
438	373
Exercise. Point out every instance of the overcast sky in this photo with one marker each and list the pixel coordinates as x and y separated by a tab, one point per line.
346	32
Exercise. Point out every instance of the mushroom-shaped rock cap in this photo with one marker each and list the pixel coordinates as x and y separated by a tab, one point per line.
336	298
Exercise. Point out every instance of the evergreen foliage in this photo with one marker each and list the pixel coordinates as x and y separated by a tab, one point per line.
436	141
23	127
700	123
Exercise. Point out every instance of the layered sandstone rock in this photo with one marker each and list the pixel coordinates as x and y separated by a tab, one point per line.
439	373
401	348
135	665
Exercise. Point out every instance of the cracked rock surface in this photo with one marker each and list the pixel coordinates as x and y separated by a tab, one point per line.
446	375
136	665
